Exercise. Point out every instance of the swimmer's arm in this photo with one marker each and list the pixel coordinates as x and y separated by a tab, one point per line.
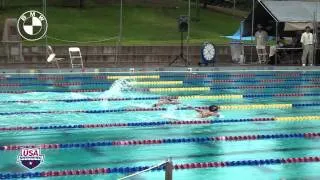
198	110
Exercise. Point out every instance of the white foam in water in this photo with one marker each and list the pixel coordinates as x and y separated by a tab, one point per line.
78	96
174	114
117	89
170	113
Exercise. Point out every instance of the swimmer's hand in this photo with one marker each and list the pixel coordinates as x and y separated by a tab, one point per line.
220	116
190	107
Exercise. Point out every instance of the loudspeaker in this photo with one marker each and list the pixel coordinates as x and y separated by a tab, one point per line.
183	23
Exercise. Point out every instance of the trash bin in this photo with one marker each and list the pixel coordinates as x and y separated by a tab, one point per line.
237	52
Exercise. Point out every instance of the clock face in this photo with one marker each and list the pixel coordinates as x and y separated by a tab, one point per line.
209	52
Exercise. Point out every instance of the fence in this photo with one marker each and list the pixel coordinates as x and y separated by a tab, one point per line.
135	32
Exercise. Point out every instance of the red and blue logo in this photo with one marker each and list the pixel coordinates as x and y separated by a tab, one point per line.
30	157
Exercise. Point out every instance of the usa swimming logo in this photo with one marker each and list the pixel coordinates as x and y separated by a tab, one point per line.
30	157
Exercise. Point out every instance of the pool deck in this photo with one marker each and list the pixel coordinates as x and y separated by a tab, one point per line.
159	69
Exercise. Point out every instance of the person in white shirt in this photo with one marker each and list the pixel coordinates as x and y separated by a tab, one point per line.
307	45
261	42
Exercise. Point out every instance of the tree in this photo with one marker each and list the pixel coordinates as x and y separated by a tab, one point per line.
205	3
3	4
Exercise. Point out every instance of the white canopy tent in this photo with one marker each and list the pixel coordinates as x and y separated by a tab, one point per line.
295	14
282	16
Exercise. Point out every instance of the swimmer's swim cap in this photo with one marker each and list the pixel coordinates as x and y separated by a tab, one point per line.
213	108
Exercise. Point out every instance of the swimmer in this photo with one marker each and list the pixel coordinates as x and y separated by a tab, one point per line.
162	102
212	111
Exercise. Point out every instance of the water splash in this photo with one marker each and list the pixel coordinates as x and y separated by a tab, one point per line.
119	88
173	114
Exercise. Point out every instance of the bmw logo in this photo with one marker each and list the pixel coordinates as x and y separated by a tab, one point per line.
32	25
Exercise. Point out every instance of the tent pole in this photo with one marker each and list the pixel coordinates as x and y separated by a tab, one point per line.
315	61
276	57
241	44
315	32
44	10
252	28
188	36
241	26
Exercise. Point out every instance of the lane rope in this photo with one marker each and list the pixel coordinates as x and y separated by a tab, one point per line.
148	124
224	87
184	166
179	89
208	74
223	107
91	144
53	91
218	96
158	123
154	83
134	77
61	84
195	76
173	89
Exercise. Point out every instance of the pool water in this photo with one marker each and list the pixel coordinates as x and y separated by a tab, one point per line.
63	102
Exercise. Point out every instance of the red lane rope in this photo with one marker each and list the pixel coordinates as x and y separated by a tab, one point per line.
185	166
164	141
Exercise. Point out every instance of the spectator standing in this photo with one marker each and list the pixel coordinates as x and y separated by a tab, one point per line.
307	45
261	42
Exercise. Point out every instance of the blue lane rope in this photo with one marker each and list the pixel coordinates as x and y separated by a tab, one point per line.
125	110
135	124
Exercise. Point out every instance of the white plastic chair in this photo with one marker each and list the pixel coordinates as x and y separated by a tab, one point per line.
52	57
75	57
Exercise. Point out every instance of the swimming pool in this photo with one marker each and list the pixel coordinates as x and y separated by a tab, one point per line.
103	125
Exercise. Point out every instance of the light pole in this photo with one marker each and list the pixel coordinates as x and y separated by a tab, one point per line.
120	32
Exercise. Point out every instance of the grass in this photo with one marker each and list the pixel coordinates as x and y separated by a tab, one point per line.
141	25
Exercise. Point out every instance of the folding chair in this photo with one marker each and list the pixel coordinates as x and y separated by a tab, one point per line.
75	57
52	57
